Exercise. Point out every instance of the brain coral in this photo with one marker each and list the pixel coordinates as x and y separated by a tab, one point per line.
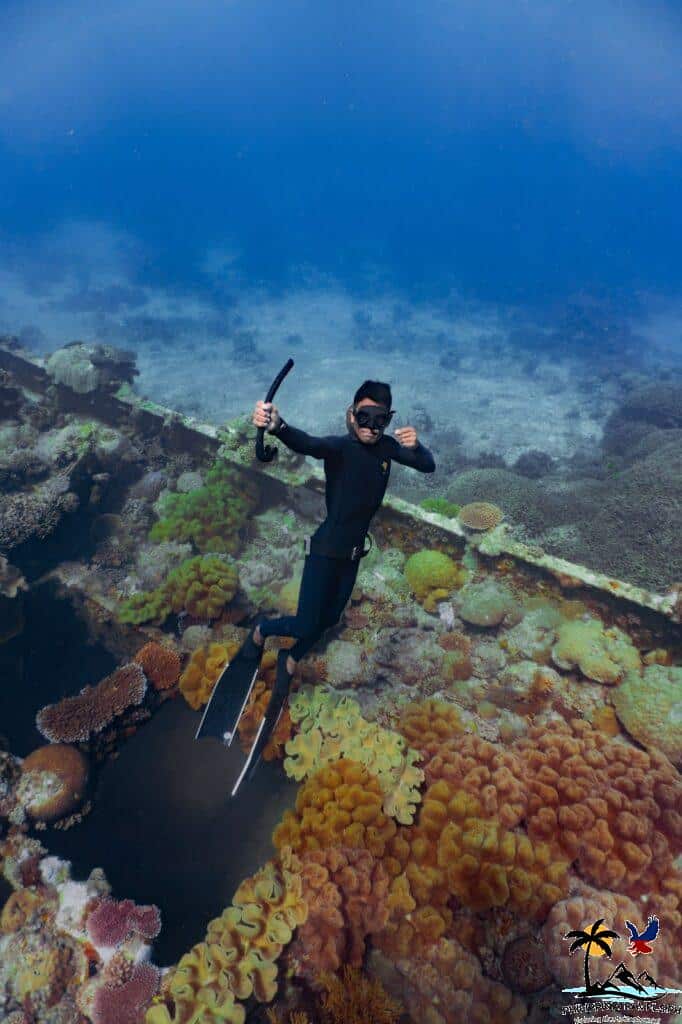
604	655
161	665
650	708
346	891
74	719
53	781
611	809
431	576
480	515
341	805
210	516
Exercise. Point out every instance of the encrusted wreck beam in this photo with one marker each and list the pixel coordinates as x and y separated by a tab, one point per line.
233	441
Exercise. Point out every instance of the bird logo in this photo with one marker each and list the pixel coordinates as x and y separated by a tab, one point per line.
642	943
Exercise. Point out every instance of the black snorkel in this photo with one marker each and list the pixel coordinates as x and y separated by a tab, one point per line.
263	453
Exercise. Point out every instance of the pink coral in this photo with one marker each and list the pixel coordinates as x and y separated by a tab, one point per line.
126	1003
112	921
74	719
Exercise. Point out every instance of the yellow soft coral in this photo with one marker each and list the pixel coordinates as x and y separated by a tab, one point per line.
341	805
204	667
236	959
431	576
332	727
487	866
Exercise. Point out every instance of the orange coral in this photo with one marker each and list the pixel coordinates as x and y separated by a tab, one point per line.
204	667
355	999
486	770
161	665
487	866
426	724
611	808
346	891
605	719
341	805
53	781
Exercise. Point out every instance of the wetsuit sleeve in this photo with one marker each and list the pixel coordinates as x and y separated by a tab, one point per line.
307	444
418	458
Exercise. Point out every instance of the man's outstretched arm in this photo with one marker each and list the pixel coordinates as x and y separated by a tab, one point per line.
266	415
409	451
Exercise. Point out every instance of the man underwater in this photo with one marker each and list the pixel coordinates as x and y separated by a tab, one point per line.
357	467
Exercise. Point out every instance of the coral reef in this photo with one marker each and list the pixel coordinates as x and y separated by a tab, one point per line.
650	708
604	655
442	506
256	708
346	892
354	999
332	727
341	805
432	575
425	724
480	515
36	513
53	781
611	809
111	922
201	586
237	958
75	719
524	965
160	663
86	368
202	670
210	516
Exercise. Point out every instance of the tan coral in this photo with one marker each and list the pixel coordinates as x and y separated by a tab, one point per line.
75	719
426	724
53	781
204	667
480	515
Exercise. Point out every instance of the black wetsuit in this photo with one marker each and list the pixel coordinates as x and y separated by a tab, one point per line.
356	478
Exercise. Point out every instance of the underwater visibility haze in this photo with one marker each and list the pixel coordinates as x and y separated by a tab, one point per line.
360	324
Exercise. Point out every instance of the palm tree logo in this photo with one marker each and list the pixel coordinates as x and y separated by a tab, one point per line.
595	942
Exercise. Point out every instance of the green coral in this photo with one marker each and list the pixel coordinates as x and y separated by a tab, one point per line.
603	655
442	506
650	708
331	726
210	516
432	575
201	586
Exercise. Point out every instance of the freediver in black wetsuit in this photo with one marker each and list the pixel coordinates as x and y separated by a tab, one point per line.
357	467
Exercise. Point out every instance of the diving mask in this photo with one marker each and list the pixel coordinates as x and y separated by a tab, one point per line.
373	417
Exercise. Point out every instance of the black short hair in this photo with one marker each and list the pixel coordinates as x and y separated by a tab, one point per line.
376	390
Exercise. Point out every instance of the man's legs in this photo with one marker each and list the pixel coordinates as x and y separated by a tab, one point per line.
326	587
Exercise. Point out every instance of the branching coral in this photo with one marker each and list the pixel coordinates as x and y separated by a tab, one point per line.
236	959
610	808
346	891
210	516
650	708
75	719
53	781
432	575
161	665
353	998
603	655
332	727
201	586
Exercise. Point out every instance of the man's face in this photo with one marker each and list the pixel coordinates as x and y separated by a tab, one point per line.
364	434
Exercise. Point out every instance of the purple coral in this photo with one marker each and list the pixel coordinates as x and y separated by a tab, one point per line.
113	921
126	1003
